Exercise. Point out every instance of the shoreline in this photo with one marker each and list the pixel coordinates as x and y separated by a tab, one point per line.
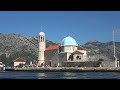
67	69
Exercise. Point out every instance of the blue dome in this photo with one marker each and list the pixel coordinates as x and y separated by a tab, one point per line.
69	41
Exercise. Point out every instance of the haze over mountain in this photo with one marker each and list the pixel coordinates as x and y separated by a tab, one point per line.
16	45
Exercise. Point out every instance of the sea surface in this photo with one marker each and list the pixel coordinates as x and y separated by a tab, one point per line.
59	75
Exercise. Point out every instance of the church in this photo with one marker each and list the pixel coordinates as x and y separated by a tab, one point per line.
67	53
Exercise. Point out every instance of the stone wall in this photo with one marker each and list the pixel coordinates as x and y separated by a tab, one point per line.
62	58
81	64
50	56
108	64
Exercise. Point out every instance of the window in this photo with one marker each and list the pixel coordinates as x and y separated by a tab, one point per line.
50	63
59	49
78	58
43	38
70	57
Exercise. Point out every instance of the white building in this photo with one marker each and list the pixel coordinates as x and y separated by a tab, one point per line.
67	51
18	61
1	64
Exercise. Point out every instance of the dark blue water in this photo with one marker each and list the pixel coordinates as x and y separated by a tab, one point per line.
59	75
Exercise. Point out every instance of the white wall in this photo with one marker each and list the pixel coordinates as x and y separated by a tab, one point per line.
84	51
75	55
74	48
17	63
70	48
68	54
41	49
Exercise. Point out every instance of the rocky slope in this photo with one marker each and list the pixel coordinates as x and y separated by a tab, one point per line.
15	45
102	49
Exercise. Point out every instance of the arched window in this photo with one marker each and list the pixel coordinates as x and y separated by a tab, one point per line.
78	58
41	39
50	63
70	57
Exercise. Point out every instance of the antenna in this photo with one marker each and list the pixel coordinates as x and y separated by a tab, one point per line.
114	43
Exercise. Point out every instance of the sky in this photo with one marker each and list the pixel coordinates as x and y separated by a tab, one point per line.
83	26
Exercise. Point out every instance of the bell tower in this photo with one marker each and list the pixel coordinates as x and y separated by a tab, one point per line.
41	49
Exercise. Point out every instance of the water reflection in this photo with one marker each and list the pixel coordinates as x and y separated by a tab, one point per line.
60	75
41	75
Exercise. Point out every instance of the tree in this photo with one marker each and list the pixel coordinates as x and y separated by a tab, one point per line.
4	58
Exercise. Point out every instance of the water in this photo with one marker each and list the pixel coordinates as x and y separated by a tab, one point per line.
59	75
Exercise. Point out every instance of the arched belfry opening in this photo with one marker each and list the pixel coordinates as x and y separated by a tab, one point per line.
42	38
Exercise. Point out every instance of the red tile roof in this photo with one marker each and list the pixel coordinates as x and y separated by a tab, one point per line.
81	48
20	59
53	47
77	52
1	62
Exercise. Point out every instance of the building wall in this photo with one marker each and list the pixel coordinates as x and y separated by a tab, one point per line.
81	64
74	48
61	49
84	51
108	64
1	65
17	63
62	57
55	60
75	55
68	54
69	48
51	57
1	62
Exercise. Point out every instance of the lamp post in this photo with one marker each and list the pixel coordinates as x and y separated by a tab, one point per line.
58	57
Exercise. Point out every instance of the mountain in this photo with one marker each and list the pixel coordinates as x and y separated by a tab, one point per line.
102	49
16	45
